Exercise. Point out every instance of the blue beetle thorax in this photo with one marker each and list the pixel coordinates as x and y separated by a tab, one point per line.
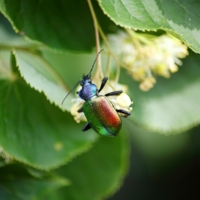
88	91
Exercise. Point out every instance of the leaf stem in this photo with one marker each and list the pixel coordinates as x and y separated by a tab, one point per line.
99	68
110	52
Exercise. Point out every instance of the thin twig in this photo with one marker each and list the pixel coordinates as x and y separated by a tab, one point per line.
99	69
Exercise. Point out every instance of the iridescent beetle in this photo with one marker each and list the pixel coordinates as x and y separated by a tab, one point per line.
99	111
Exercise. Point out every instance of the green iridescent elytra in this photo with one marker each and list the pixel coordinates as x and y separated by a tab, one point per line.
102	116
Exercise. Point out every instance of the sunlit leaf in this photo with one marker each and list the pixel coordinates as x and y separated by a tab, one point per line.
40	75
180	17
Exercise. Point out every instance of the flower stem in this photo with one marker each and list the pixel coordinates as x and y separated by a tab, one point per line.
99	69
110	52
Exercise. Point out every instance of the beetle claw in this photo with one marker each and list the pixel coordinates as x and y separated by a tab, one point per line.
86	127
126	113
80	110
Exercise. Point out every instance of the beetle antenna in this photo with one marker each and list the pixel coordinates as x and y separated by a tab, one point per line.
70	92
95	61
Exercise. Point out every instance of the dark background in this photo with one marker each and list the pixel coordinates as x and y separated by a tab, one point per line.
166	177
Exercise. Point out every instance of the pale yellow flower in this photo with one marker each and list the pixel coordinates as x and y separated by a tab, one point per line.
145	56
147	84
76	105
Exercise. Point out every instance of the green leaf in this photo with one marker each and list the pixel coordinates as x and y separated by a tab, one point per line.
97	173
10	39
38	71
180	17
41	76
35	132
172	106
17	184
64	25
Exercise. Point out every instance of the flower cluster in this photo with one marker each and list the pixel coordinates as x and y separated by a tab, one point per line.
121	101
145	56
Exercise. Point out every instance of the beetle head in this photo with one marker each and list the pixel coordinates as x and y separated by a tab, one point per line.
86	79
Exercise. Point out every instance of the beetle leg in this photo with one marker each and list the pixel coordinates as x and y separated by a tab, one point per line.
103	83
86	127
114	93
80	110
126	113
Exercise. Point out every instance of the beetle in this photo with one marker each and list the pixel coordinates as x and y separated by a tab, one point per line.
99	111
